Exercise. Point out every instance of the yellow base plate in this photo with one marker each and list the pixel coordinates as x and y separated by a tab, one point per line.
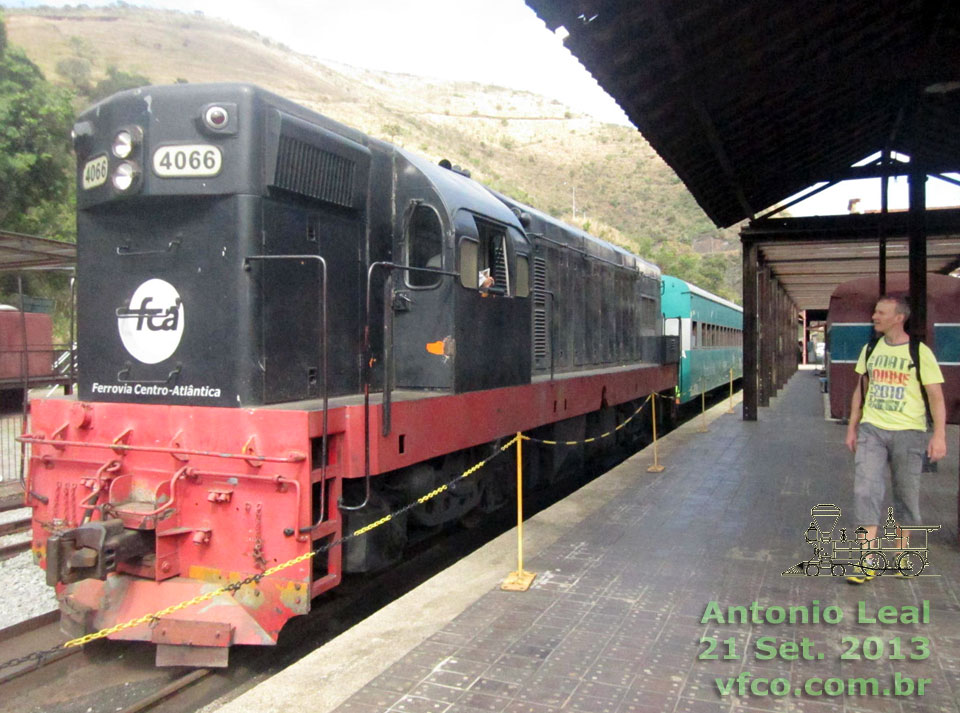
655	469
518	581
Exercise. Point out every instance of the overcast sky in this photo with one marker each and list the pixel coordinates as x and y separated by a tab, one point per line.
499	42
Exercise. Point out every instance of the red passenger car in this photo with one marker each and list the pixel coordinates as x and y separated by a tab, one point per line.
849	328
35	361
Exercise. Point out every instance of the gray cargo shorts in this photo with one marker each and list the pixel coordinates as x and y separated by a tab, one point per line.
903	452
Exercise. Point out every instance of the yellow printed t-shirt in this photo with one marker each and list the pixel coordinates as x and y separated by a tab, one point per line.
893	398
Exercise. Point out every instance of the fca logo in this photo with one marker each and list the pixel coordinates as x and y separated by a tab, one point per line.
169	318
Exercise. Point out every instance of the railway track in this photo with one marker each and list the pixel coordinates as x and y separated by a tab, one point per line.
9	502
120	677
19	639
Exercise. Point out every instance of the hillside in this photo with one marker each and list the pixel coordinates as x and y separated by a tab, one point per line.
527	146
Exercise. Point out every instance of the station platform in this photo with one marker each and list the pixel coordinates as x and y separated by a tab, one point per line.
635	574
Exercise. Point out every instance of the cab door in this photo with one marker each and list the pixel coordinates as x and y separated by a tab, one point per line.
493	321
419	314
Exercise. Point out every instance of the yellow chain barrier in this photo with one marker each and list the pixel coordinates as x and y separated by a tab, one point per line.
255	579
149	618
592	438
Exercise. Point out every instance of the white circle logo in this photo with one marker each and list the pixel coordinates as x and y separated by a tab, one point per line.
152	325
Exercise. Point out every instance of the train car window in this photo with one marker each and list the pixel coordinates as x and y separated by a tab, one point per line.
523	276
424	246
694	332
469	271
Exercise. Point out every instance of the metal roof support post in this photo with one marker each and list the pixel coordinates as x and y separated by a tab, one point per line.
762	398
766	340
750	256
806	338
782	329
794	320
782	321
773	331
788	344
776	310
918	253
882	225
789	339
782	373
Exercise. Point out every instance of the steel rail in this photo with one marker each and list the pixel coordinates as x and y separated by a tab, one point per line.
166	691
15	526
13	550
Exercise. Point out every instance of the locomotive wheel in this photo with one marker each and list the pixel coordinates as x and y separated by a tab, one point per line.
837	570
910	564
876	567
812	570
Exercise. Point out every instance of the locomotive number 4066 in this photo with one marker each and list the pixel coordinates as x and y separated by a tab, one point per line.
95	172
187	161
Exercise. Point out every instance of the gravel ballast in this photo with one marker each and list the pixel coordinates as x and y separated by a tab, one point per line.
25	590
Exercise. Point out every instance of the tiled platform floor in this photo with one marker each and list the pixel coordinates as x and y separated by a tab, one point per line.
613	621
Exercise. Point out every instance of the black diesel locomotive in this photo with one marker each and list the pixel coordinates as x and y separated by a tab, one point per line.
288	329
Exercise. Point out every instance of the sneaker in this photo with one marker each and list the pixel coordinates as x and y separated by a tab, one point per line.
865	574
861	578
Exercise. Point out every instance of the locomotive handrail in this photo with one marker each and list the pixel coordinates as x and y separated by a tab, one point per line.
125	249
294	457
124	373
367	358
325	392
580	251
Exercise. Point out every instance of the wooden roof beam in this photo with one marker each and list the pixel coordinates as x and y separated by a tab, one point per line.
699	108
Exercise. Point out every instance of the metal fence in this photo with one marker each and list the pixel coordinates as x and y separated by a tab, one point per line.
57	375
10	428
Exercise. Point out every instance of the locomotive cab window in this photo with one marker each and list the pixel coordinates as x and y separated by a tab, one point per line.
424	246
523	276
469	250
492	257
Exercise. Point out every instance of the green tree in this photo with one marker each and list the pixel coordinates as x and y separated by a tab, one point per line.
76	70
36	176
116	81
35	120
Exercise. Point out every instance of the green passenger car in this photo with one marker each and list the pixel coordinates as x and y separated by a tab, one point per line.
711	336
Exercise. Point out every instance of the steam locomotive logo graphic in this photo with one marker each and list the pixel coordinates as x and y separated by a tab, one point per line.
151	327
899	549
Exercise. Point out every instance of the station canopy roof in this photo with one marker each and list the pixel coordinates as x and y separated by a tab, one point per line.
752	102
22	252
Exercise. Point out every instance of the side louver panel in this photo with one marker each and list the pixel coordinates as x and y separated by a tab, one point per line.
541	335
312	172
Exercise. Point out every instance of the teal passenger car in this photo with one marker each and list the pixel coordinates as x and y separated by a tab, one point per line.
711	336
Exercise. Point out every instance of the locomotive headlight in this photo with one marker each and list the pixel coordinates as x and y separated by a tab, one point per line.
125	142
125	176
216	117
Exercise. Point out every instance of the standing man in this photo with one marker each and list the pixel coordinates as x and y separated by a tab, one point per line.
893	421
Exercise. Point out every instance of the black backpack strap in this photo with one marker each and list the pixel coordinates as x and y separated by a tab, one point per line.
864	377
915	358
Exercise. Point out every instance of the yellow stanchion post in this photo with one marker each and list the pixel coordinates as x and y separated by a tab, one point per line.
730	410
656	467
519	581
703	411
